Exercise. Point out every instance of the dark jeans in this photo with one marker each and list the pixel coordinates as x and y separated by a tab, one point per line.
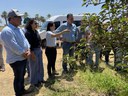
51	54
19	72
107	56
68	49
106	53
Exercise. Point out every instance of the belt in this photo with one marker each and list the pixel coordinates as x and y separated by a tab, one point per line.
70	42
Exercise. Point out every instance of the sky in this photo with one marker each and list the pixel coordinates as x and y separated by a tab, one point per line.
44	7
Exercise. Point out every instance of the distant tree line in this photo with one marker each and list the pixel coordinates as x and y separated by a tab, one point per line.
40	19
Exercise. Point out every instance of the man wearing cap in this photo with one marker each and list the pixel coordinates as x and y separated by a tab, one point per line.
17	49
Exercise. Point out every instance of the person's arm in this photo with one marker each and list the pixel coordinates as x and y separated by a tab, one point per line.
30	39
60	28
9	41
60	33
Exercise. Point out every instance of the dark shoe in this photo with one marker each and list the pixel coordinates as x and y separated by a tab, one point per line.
55	73
37	85
27	92
32	88
118	69
2	68
43	81
51	76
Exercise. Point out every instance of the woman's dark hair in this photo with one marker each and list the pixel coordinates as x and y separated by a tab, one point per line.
28	25
50	24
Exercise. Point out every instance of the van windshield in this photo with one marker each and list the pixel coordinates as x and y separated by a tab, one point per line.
77	23
44	25
57	24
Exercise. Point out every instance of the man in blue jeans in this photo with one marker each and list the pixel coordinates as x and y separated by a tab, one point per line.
17	49
68	38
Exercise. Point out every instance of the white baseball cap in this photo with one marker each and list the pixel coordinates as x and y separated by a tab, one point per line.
13	13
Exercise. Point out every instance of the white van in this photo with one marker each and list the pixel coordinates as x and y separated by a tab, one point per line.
58	20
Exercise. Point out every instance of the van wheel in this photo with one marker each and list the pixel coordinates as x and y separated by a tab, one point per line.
43	43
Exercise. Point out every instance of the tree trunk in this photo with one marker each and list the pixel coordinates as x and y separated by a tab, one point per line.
5	20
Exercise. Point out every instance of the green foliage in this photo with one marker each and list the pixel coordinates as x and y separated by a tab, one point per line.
26	15
86	82
26	20
105	83
110	26
4	15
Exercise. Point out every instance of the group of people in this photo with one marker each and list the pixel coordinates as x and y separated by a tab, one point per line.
23	48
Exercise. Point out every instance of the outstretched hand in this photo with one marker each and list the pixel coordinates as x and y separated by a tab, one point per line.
66	30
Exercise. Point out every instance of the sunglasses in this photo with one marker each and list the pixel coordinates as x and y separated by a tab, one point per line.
17	16
36	23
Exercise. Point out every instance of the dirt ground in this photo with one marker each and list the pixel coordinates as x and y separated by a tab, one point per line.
6	78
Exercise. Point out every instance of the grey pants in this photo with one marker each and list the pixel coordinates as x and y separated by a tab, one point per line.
36	67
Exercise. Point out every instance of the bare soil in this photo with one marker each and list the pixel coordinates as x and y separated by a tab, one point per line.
6	78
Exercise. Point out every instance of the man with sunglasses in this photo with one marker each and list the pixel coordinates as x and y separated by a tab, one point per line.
17	49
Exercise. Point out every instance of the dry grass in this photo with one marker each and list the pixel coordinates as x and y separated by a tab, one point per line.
76	83
69	86
6	78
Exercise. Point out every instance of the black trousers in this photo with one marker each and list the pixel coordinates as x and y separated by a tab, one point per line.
19	72
51	54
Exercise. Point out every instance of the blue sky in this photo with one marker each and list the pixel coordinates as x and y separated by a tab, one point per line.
44	7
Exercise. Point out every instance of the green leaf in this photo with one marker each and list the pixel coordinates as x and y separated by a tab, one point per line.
84	4
105	6
107	1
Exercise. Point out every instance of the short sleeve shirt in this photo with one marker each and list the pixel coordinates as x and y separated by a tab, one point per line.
50	41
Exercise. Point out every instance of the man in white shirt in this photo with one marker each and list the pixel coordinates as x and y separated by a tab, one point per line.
17	49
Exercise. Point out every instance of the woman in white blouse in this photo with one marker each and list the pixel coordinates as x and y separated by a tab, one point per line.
50	50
